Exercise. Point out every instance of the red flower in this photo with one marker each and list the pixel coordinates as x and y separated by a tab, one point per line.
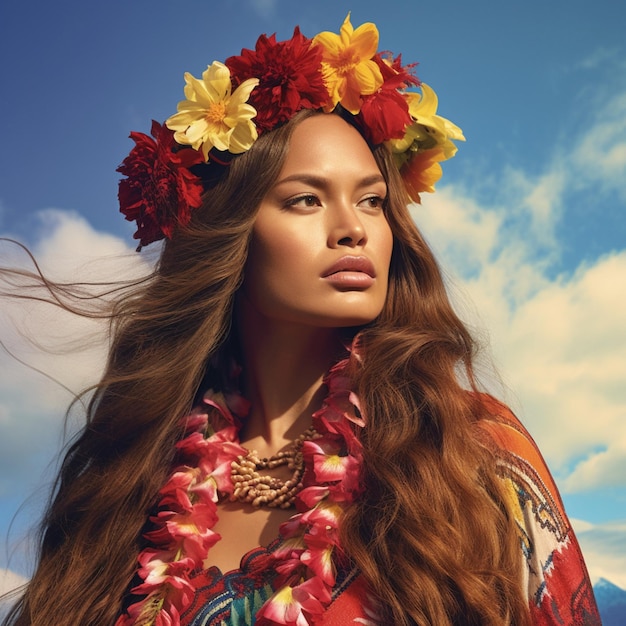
158	567
318	557
310	497
290	77
328	464
176	489
159	191
324	515
190	530
385	114
289	604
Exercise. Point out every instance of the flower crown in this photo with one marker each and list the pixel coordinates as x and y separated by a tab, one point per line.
225	111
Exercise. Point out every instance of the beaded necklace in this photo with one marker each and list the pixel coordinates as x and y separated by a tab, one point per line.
258	490
208	454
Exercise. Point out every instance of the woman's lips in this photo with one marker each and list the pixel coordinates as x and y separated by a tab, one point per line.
351	272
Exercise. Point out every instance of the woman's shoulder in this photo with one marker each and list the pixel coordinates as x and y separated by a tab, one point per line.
521	466
554	571
509	438
520	463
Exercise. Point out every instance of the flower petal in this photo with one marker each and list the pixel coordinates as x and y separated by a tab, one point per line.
364	40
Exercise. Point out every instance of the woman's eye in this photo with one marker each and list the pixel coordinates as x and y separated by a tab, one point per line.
304	201
374	202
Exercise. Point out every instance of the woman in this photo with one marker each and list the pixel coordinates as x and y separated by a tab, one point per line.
288	430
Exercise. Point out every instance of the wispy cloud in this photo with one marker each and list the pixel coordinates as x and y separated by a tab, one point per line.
599	155
559	342
601	57
604	546
70	350
264	8
9	581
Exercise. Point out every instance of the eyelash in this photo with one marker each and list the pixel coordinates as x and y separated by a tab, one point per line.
305	196
380	202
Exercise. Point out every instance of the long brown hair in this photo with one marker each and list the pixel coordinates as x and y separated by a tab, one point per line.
431	534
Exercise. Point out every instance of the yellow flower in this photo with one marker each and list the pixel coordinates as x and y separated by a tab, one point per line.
422	171
347	66
428	130
212	116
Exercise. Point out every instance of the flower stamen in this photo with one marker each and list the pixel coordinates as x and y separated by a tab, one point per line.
216	113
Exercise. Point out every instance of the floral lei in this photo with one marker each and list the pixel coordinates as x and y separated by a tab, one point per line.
233	102
181	534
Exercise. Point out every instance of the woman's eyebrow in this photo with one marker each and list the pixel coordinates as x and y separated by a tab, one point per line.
322	182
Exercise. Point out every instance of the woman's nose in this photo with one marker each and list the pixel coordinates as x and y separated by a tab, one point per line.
345	226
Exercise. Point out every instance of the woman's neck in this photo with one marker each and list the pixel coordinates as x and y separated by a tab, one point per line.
284	365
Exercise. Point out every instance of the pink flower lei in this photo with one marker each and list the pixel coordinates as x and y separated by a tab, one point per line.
181	535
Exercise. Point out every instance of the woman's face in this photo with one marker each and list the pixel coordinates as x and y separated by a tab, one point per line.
321	245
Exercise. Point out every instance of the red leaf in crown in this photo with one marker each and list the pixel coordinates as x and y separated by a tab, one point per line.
396	75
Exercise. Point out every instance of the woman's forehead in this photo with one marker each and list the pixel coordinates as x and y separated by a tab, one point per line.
329	145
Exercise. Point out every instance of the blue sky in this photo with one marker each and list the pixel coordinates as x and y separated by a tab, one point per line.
529	220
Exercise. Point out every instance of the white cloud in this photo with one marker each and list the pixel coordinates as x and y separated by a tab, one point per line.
599	155
264	8
9	581
604	547
565	347
601	57
462	231
560	343
69	349
543	203
606	467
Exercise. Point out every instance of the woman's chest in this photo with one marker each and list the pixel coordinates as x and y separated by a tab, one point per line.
243	528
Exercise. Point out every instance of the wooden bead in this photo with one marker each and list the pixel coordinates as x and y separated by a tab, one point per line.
270	491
